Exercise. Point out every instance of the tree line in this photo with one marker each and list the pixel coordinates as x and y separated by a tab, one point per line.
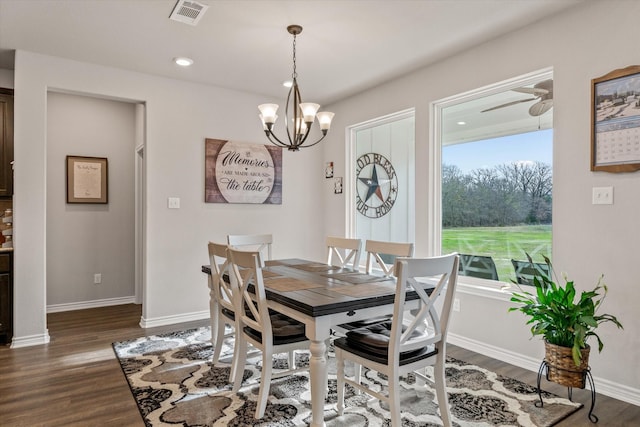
509	194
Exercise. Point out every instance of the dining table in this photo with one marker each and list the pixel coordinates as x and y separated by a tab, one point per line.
323	296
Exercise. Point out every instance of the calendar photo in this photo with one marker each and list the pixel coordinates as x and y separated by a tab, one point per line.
615	145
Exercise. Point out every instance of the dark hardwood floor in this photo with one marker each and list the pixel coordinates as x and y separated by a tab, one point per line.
75	380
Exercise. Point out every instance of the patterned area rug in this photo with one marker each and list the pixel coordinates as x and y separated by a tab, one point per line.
174	383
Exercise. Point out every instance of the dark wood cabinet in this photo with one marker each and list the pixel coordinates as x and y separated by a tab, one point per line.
6	142
6	297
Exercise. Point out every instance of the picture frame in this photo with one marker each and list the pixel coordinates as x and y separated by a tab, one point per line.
87	179
337	185
615	121
328	170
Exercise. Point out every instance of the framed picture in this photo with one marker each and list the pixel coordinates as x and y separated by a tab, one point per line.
328	170
87	180
337	185
615	121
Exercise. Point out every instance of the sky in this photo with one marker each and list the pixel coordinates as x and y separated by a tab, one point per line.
531	146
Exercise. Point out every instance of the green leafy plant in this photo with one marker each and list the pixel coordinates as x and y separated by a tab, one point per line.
560	317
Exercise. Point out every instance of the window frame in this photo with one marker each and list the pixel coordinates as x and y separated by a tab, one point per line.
471	285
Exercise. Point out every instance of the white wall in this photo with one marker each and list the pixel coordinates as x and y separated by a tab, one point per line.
179	117
83	239
580	44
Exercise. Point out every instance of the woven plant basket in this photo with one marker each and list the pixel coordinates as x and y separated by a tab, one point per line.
561	367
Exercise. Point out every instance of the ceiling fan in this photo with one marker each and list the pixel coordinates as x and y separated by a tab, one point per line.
543	92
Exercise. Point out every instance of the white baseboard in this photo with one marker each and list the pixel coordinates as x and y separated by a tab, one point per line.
56	308
602	386
28	341
171	320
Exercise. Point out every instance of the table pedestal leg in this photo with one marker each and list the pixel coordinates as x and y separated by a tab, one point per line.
318	374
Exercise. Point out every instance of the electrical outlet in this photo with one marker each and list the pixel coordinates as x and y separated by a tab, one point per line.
97	278
456	304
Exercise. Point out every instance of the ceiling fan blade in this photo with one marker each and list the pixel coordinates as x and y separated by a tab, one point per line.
508	104
543	89
537	91
539	108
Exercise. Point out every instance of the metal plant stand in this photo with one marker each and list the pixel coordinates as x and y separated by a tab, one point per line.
544	367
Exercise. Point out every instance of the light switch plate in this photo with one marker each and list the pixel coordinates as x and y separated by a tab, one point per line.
602	196
173	202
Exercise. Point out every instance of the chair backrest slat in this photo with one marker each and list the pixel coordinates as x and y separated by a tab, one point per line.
384	254
252	242
246	270
219	264
344	252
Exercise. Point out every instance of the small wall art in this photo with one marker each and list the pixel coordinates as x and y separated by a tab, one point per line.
328	170
87	179
337	185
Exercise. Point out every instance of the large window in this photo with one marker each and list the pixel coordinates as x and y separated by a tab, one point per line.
495	176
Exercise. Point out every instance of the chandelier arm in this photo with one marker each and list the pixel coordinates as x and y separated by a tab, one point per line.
303	138
311	145
277	141
292	133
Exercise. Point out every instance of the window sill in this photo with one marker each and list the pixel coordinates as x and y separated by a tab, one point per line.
501	291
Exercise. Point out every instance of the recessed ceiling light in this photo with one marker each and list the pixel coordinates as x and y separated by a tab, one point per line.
462	123
183	61
287	83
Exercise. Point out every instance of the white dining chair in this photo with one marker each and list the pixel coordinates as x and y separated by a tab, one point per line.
252	242
344	252
381	255
266	330
224	298
402	344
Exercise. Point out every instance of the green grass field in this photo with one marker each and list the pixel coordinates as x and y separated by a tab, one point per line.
501	243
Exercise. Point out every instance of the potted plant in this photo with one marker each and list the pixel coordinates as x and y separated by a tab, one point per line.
566	321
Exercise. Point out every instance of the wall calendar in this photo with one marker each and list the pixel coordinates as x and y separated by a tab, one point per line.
615	118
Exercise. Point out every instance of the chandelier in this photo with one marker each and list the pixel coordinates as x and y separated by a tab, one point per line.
302	114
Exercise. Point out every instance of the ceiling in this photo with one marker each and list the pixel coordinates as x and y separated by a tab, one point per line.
346	46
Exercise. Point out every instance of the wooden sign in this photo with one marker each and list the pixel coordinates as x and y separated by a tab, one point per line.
238	172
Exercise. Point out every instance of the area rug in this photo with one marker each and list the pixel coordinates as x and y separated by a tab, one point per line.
174	383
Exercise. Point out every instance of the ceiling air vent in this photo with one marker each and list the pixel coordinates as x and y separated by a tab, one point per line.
188	12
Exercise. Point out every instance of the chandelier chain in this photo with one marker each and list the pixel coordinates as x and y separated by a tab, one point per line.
295	74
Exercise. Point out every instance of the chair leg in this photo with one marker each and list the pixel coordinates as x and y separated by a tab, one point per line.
340	377
441	390
265	383
219	339
292	360
234	359
357	375
394	400
240	359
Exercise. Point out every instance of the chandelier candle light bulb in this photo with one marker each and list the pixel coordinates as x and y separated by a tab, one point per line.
304	113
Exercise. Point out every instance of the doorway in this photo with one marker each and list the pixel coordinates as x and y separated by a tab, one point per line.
95	252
